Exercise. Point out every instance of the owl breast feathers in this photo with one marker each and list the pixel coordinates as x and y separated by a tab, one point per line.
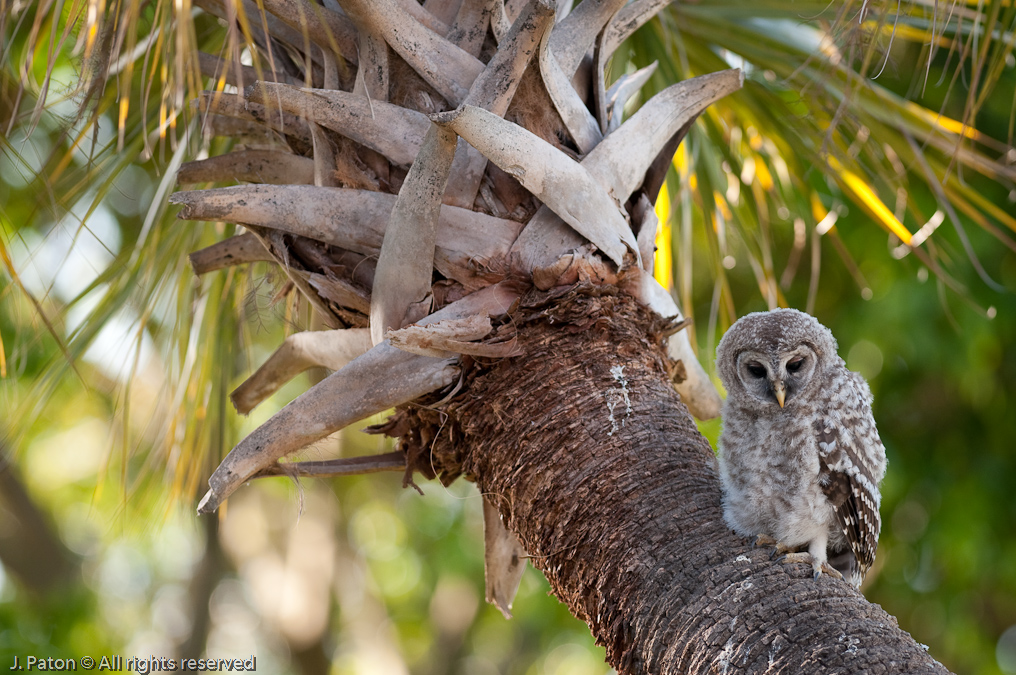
800	458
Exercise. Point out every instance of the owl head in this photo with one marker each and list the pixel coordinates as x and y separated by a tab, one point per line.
769	360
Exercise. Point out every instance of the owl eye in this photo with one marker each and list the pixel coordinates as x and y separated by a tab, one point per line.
794	365
756	369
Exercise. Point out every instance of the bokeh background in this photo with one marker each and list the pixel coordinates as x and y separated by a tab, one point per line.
114	371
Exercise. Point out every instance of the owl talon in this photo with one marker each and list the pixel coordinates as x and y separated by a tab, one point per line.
765	541
826	568
779	548
808	559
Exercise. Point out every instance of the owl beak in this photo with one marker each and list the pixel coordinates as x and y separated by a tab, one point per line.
780	390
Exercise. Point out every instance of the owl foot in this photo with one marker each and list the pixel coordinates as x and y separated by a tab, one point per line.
809	559
787	554
764	540
779	548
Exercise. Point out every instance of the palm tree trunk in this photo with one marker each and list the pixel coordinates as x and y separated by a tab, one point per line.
599	470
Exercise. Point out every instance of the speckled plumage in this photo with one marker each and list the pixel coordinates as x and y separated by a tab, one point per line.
805	473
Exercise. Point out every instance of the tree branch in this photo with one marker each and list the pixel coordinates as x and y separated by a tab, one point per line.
28	546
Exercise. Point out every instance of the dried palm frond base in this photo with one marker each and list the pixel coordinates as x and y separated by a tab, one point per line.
431	188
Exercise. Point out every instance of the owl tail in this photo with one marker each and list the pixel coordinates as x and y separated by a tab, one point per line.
846	564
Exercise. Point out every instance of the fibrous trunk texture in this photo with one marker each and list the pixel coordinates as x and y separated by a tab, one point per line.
593	462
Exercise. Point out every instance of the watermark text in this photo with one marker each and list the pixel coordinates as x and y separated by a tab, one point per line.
117	663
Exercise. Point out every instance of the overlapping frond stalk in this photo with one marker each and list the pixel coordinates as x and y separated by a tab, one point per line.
376	196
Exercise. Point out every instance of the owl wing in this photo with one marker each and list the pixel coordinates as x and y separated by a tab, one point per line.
851	466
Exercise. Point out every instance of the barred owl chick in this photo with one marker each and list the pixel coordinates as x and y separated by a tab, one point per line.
800	458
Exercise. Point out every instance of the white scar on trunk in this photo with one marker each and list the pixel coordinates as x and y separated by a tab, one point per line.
616	396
